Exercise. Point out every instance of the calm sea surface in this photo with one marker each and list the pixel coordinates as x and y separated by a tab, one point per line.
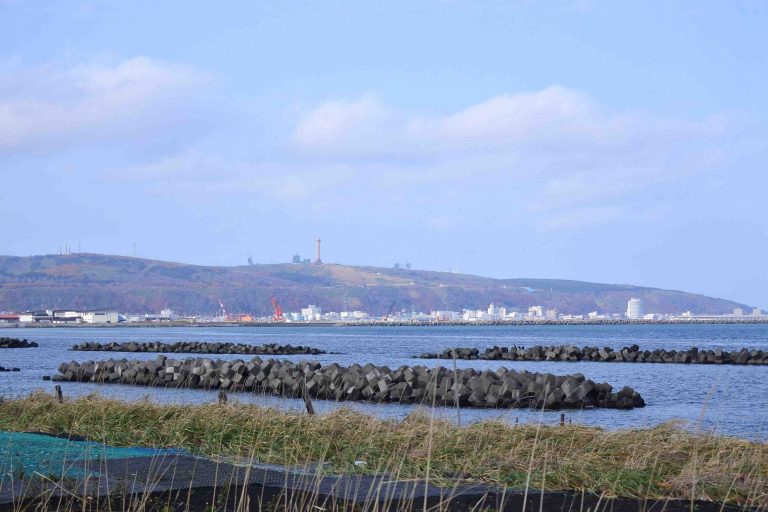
728	399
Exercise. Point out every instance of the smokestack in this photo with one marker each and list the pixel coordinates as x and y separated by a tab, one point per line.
318	261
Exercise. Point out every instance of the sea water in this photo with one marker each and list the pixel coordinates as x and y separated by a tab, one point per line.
727	399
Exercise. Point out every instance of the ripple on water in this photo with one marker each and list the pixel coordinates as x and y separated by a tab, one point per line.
724	398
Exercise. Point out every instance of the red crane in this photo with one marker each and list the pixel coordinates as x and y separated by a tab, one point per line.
278	311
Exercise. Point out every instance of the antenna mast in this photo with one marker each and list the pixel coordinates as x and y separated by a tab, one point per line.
318	261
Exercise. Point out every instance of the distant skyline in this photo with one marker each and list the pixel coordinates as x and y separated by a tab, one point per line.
615	142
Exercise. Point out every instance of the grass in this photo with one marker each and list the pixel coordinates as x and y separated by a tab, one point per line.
665	461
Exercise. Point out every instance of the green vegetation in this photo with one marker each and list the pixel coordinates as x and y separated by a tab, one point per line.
661	462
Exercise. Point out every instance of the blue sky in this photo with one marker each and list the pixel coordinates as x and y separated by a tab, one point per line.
604	141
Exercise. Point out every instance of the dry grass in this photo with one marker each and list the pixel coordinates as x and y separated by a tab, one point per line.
661	462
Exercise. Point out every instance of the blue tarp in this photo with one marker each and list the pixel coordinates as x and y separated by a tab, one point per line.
24	454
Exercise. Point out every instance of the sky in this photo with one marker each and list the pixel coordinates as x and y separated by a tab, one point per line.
619	142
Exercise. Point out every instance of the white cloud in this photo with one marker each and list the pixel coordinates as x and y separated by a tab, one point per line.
555	119
361	123
568	159
523	118
551	159
199	174
554	115
44	104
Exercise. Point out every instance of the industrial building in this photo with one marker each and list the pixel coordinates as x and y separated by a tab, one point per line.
635	309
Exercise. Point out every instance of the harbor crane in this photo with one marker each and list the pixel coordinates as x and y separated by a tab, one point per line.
277	316
223	310
389	311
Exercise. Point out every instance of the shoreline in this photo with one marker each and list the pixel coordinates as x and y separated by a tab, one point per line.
511	323
656	462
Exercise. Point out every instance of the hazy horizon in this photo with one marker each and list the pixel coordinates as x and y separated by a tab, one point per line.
582	140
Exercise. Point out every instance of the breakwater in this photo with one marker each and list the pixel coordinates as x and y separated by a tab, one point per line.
631	354
725	320
197	347
4	369
407	385
16	343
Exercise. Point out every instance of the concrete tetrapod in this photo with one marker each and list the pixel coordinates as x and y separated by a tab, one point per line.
198	347
502	388
16	343
631	354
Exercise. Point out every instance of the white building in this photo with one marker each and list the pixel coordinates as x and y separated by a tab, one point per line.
535	312
738	312
35	316
168	314
635	309
757	312
493	313
551	314
99	317
67	314
311	313
353	315
446	316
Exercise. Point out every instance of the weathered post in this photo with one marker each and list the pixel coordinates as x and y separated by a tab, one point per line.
222	396
307	399
562	419
59	394
458	386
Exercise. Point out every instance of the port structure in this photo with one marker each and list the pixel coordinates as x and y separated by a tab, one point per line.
277	316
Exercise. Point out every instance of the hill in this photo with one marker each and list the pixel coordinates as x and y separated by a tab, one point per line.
140	285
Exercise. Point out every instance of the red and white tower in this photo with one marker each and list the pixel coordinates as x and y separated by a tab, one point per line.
318	261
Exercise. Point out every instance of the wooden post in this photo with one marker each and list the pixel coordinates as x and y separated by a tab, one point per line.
222	396
59	394
307	399
458	386
562	419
